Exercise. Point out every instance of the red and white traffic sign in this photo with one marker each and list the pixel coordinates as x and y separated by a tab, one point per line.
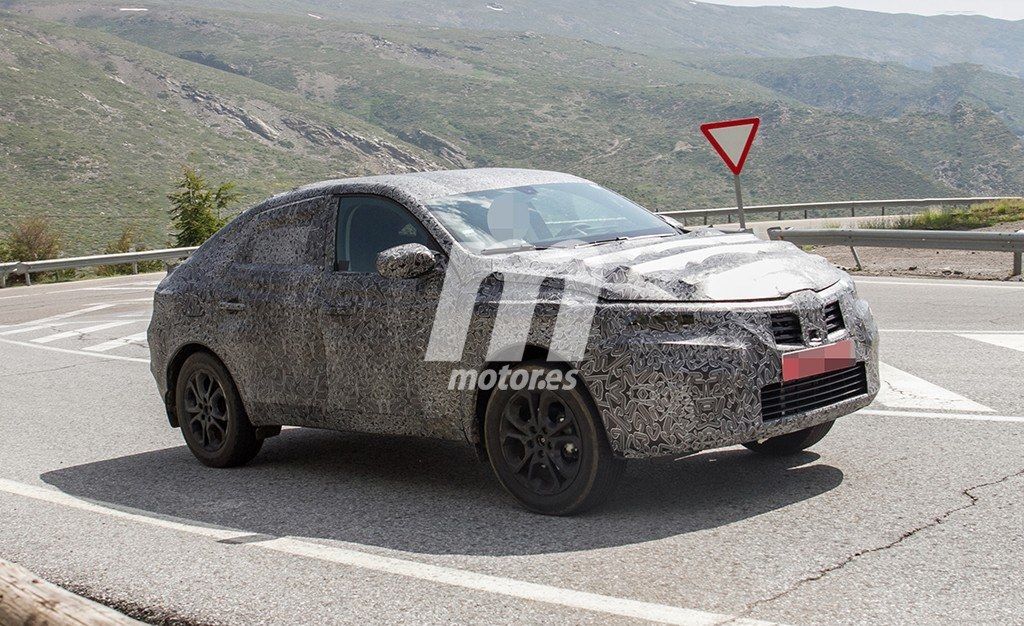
732	140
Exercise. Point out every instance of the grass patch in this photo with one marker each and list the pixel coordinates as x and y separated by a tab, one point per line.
977	216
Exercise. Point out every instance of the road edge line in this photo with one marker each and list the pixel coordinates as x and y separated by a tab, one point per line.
407	568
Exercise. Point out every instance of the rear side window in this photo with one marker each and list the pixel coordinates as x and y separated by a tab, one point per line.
285	236
368	225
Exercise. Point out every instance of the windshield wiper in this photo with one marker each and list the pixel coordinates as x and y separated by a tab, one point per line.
508	249
621	238
600	241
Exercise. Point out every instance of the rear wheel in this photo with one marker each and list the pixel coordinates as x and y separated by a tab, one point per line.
211	415
793	442
548	449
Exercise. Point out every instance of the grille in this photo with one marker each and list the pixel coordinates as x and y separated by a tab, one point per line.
780	400
786	329
834	318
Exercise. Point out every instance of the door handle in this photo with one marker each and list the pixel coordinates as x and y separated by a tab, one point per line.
232	307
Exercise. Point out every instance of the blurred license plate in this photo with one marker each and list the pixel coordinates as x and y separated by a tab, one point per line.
815	361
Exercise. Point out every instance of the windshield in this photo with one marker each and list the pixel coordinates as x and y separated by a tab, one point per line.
542	216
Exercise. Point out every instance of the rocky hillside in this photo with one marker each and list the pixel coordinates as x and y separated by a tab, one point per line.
93	128
105	104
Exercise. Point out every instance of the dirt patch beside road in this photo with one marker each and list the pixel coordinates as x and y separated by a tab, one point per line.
941	263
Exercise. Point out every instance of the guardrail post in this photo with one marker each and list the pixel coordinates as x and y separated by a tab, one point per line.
856	258
3	280
28	279
805	213
1017	269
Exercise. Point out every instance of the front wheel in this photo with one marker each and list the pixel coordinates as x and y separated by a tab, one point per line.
211	415
793	442
548	449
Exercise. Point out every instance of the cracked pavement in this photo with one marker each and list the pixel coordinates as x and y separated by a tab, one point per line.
892	519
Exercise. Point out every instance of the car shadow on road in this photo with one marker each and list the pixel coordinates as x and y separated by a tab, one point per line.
435	497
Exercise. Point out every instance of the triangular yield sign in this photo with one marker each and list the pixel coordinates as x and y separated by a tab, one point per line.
732	140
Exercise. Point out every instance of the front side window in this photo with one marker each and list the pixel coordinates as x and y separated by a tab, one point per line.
541	216
368	225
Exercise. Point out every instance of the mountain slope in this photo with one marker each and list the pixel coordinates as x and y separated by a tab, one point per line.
105	104
626	119
851	85
912	40
93	128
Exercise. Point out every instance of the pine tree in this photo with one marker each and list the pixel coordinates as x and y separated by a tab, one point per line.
196	208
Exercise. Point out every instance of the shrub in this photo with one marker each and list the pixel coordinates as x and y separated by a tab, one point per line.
127	242
977	216
197	208
33	239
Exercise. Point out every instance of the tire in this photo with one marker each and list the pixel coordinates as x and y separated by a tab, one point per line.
792	443
211	415
548	448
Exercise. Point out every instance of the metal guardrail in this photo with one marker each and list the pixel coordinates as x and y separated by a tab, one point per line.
850	205
921	239
27	268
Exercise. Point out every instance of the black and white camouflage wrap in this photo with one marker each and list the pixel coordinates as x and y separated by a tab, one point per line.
680	344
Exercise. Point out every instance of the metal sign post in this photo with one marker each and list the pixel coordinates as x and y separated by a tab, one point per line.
739	201
732	140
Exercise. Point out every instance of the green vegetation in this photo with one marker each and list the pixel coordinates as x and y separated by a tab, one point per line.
198	210
976	216
33	239
127	242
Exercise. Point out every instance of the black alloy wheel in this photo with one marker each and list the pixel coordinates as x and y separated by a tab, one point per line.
211	415
540	441
548	448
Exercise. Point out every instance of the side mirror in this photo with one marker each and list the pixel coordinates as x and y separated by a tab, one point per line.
406	261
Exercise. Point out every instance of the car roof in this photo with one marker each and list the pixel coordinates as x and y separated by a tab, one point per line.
423	186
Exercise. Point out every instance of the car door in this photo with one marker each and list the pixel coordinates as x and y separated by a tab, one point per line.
375	329
270	302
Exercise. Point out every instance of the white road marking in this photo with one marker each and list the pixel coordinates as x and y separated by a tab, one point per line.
113	357
137	339
64	316
142	288
418	570
29	329
946	416
900	390
81	331
980	285
47	290
1003	340
63	499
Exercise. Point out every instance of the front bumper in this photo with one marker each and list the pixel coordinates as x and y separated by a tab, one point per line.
674	379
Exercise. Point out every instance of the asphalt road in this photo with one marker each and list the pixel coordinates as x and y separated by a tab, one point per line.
908	512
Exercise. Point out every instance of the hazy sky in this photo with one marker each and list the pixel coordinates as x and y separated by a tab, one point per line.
1003	9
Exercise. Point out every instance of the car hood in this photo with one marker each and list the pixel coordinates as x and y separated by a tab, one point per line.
705	266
